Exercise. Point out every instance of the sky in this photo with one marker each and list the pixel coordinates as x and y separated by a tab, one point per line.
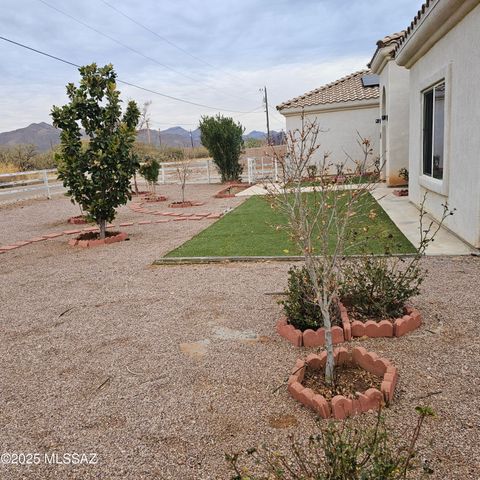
217	53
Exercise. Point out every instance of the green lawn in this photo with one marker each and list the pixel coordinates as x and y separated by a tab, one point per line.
249	230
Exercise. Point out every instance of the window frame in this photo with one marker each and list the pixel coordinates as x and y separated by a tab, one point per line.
444	75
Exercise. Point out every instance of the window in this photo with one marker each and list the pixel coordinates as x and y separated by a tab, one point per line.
434	131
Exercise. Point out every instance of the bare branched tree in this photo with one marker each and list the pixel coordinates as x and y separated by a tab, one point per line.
183	170
318	221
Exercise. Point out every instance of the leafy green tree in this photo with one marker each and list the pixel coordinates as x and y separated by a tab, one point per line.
97	175
224	140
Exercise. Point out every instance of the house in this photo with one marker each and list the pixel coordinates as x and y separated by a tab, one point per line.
343	109
441	52
394	112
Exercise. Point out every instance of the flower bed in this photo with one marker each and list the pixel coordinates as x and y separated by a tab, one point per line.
89	239
341	406
387	328
315	338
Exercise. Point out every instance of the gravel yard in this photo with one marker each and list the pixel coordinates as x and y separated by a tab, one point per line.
161	370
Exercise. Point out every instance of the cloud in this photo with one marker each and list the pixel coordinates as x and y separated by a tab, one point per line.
289	46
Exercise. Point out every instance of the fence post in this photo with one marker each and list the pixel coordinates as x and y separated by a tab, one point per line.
208	170
163	173
276	169
45	182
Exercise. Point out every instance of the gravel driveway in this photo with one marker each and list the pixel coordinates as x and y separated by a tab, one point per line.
161	370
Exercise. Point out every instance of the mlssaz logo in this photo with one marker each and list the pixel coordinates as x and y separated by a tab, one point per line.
71	459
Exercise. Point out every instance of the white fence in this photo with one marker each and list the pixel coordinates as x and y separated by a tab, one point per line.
45	182
33	181
205	171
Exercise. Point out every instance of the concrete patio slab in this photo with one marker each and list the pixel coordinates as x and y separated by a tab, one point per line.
405	215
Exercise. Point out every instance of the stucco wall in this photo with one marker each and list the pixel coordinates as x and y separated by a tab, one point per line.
339	132
394	131
455	57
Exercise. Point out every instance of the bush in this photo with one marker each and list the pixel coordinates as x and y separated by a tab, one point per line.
224	140
339	452
301	309
149	170
21	158
378	288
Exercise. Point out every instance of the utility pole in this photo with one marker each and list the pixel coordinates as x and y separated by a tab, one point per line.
159	138
191	137
265	101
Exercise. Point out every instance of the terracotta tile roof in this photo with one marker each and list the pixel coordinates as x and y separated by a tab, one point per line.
392	39
424	8
346	89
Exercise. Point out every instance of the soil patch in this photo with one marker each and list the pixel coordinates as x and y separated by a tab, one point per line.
95	235
348	379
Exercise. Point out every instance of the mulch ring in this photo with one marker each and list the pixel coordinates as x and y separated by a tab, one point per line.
91	239
348	380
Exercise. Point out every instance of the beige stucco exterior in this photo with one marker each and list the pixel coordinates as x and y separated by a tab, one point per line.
393	114
340	123
453	56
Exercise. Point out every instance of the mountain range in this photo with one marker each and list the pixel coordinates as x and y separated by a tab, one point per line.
44	136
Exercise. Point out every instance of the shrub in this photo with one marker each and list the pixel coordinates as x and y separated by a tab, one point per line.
339	452
224	140
380	286
149	170
403	173
376	287
301	309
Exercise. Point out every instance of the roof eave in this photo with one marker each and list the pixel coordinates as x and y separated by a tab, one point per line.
380	58
439	19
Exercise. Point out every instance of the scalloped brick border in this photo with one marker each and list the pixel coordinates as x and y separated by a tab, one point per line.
315	338
387	328
340	406
74	242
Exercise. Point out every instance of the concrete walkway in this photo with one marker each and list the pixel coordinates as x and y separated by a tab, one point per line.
405	216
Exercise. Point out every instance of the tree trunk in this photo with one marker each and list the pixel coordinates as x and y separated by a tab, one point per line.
135	183
183	193
103	228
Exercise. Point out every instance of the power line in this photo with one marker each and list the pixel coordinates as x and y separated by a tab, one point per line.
113	39
166	40
171	97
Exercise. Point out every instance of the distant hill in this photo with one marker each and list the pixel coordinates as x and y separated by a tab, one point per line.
45	136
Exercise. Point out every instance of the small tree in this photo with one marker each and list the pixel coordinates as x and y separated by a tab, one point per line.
224	140
183	172
150	170
315	218
97	175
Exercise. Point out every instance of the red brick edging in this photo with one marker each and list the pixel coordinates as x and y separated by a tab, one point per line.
385	328
388	328
120	237
315	338
340	406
